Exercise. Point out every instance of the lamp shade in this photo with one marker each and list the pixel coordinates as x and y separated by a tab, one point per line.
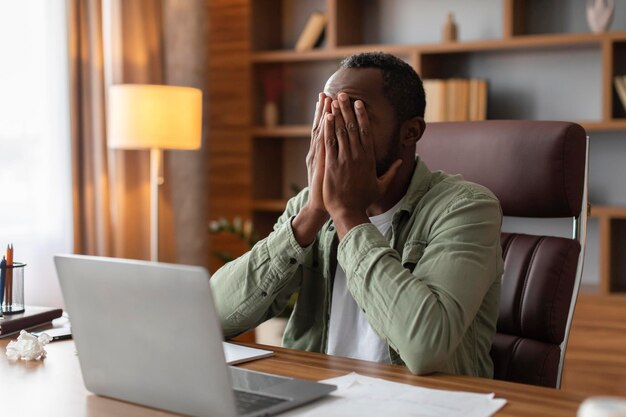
144	116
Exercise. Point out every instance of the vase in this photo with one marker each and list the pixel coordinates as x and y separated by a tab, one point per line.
600	14
270	114
450	30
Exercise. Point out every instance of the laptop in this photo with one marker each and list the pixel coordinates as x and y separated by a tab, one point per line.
148	333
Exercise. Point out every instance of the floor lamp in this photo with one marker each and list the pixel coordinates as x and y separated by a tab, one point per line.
154	117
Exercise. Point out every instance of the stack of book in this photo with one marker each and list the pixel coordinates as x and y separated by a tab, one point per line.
455	100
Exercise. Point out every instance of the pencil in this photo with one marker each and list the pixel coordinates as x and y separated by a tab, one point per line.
9	275
3	267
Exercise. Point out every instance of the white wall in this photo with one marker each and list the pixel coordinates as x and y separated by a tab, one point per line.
35	165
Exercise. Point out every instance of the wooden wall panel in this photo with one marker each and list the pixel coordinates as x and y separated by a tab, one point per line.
228	89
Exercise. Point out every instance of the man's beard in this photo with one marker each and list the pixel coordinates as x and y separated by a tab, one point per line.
392	154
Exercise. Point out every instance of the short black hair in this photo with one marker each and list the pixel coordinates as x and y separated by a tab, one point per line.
401	84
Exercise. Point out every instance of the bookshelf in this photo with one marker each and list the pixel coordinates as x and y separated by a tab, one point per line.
271	28
611	219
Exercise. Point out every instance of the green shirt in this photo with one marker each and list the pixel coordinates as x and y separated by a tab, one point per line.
431	289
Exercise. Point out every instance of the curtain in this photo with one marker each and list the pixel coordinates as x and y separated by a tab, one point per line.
90	180
185	42
114	42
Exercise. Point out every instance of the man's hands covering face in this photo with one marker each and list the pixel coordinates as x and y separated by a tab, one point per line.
315	159
314	214
341	166
350	183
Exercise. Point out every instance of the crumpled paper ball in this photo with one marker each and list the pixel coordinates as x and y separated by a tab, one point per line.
28	347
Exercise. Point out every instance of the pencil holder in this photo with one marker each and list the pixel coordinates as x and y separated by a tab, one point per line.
13	288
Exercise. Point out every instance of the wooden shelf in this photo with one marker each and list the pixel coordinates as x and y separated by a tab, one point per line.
611	212
269	205
609	246
600	126
295	131
516	42
304	131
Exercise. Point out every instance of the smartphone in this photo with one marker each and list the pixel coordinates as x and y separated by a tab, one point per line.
59	333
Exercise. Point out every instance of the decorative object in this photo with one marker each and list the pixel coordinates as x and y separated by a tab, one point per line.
154	117
270	114
273	85
450	29
600	14
242	230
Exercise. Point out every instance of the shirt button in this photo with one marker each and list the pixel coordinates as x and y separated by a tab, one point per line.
264	294
292	261
331	227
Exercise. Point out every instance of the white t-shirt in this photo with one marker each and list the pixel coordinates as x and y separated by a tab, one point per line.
349	333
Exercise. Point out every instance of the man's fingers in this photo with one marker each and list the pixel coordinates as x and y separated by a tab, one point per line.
343	142
350	123
319	147
363	122
330	141
319	108
320	157
387	177
316	115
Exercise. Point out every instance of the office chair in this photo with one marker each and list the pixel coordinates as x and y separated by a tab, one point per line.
536	169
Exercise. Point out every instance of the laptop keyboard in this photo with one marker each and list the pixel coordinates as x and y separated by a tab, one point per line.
248	402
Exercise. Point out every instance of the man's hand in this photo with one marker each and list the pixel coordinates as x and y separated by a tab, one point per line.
350	181
314	214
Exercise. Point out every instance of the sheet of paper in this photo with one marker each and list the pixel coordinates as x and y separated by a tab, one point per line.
364	396
238	354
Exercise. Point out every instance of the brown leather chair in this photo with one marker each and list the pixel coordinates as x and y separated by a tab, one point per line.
536	169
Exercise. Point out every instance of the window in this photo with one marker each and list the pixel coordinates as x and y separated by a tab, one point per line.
35	162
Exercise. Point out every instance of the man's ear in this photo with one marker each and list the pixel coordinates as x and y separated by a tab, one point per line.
412	131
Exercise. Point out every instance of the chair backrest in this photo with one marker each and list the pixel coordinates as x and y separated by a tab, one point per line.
536	169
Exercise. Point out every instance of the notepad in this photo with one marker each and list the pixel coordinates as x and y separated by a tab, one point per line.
238	354
31	317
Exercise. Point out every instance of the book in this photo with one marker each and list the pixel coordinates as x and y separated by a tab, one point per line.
312	32
620	86
477	99
235	354
435	91
31	317
482	100
473	99
457	100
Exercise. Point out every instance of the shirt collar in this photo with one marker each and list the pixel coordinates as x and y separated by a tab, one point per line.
419	185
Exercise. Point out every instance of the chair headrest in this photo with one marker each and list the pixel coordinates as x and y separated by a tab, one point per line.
535	168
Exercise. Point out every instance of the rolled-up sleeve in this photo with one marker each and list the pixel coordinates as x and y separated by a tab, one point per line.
257	285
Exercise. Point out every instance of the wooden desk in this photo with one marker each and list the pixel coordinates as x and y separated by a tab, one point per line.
54	387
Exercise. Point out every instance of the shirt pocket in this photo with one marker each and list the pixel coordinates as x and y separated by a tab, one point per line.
412	253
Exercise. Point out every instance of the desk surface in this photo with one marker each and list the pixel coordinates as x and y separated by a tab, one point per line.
54	386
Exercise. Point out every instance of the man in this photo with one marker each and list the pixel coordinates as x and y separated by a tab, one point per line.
393	263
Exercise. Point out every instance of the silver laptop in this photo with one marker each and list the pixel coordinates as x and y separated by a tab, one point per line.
148	333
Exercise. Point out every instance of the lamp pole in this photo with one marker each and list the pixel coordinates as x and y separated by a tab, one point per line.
156	158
